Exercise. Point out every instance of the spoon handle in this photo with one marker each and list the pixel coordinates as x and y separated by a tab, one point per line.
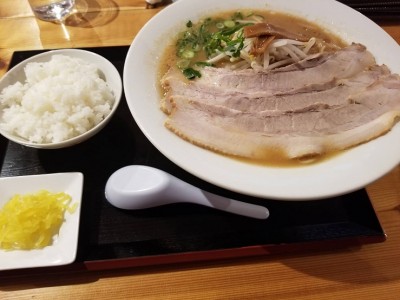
234	206
189	193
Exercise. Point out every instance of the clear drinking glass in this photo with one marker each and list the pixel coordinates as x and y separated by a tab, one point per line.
52	10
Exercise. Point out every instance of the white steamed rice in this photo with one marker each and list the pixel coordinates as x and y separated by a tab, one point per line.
59	100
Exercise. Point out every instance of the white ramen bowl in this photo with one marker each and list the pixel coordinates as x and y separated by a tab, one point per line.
343	173
108	73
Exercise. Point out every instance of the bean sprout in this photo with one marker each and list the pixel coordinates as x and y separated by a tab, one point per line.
279	63
266	60
280	52
217	58
243	64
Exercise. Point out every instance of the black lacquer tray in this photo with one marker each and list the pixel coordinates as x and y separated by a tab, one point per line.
376	10
114	238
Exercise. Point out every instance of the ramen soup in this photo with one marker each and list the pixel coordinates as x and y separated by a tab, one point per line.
273	88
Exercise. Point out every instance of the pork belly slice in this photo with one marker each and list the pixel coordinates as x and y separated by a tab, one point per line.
368	115
332	93
324	68
317	74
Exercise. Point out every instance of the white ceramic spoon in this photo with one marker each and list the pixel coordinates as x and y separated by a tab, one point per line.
139	187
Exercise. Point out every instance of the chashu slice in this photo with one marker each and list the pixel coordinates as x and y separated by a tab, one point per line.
343	63
367	115
320	73
334	93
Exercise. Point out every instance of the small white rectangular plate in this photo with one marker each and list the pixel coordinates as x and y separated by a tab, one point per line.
64	248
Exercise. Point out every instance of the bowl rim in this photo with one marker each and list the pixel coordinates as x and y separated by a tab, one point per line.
353	169
72	52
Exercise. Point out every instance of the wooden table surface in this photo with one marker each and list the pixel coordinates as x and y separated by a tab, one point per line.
369	272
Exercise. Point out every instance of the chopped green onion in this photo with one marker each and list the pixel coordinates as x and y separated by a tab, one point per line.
183	63
229	23
191	73
196	48
232	30
187	54
259	16
203	64
208	38
237	16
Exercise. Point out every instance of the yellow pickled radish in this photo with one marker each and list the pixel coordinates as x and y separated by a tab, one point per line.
31	221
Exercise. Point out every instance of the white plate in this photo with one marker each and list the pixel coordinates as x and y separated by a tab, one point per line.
344	173
63	250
